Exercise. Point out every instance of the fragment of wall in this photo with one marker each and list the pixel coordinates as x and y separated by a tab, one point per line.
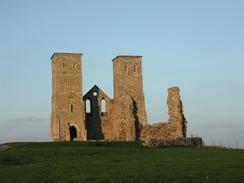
176	125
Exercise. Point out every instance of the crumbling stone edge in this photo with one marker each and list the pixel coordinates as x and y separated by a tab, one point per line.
178	142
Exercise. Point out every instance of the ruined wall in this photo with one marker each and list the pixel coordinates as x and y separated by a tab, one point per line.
175	112
175	142
176	125
123	120
124	117
98	116
67	105
129	112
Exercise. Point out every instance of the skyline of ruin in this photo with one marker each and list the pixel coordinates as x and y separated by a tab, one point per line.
196	46
80	117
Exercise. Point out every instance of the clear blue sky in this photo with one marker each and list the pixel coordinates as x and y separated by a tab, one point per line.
196	45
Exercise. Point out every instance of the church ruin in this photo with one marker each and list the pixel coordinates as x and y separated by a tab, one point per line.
96	116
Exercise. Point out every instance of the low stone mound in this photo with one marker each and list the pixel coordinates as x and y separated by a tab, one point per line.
178	142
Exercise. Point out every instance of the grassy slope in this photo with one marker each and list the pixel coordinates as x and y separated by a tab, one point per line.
118	162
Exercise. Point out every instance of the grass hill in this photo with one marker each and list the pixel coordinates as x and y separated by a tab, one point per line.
117	162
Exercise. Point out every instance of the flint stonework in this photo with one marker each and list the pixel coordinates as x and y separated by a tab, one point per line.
95	116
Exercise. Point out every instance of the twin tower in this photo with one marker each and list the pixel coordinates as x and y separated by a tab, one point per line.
95	116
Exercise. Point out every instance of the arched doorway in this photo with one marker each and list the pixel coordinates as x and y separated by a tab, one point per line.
72	133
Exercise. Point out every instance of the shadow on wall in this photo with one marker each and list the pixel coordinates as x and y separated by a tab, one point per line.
135	114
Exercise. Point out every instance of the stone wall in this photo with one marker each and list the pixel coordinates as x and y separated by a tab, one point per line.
126	112
176	125
125	118
98	122
175	142
67	105
176	113
129	103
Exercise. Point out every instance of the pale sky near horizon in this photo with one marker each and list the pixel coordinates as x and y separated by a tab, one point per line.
196	45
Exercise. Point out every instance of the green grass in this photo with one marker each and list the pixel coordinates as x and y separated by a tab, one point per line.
117	162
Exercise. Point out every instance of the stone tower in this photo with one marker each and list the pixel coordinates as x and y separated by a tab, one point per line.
67	118
130	113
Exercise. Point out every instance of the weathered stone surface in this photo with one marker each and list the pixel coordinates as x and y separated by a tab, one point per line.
176	115
129	104
175	142
67	119
98	121
102	118
123	115
176	125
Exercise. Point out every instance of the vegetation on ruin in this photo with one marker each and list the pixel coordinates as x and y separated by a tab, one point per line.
118	162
